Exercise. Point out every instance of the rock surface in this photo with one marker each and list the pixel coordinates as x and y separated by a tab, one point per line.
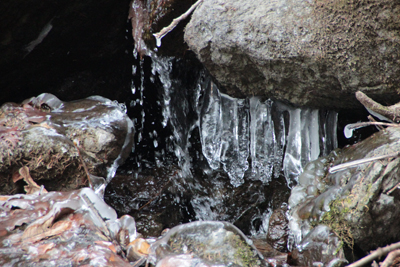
213	242
360	203
308	53
44	134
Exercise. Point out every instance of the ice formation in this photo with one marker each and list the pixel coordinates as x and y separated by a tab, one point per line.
62	229
252	136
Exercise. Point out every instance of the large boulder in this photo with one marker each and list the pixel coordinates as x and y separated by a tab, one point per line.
315	53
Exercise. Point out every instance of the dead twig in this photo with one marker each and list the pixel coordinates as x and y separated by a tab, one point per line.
378	110
159	193
174	22
391	257
355	163
380	252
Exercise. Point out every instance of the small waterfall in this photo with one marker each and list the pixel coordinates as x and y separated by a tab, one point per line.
237	158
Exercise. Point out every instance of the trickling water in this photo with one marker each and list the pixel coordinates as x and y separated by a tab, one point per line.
232	153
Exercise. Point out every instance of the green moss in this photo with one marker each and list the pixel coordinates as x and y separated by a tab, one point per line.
335	219
233	249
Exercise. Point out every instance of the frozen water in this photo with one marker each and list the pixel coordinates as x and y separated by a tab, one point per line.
262	134
235	131
225	133
210	130
259	138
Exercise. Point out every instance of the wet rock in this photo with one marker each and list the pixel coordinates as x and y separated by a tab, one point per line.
211	242
59	229
315	54
321	247
359	203
57	140
159	198
278	230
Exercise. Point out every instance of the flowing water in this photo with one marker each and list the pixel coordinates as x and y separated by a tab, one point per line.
211	156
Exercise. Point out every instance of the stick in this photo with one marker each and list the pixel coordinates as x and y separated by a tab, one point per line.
375	254
174	22
390	258
96	213
355	163
378	110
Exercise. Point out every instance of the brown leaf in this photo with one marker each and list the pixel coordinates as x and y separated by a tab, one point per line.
58	228
32	186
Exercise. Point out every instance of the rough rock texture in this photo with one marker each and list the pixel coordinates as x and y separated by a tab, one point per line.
360	204
315	53
45	133
73	49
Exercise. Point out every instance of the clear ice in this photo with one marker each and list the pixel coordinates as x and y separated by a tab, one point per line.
258	137
271	135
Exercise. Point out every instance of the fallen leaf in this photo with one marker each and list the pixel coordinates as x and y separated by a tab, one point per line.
58	228
32	186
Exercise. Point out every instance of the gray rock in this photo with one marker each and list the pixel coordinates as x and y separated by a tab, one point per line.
315	53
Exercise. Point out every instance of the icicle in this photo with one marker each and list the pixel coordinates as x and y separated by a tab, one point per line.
235	138
292	160
262	140
210	127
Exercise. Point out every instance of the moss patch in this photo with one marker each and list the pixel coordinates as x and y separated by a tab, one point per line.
335	219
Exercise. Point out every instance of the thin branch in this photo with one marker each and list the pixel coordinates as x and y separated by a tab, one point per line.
391	257
394	188
151	200
355	163
378	110
375	254
174	22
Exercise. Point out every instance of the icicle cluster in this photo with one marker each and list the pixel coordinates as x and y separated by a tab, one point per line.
266	133
259	138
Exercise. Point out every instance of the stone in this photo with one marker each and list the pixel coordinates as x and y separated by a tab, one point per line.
359	203
313	53
214	242
62	143
278	230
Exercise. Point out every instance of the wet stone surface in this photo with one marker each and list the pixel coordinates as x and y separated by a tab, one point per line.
359	203
57	140
213	242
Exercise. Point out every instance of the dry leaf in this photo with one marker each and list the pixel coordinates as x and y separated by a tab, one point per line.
32	186
58	228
